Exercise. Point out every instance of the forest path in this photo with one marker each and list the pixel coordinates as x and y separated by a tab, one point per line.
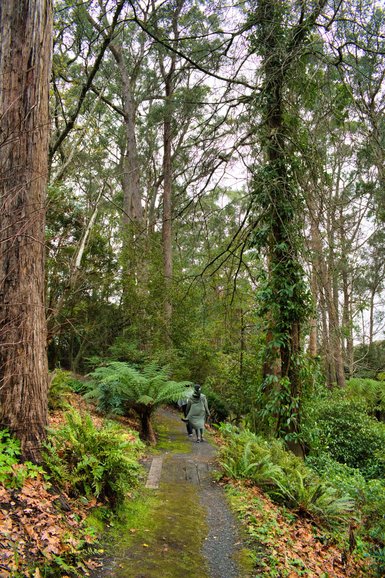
183	526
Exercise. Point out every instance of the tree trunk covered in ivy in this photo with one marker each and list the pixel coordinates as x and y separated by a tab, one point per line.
25	58
284	297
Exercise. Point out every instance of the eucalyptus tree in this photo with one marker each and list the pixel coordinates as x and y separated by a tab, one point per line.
336	209
360	38
129	83
184	26
282	34
345	178
25	63
83	44
118	140
87	174
360	42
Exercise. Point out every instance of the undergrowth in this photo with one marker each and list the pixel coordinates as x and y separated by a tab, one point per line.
13	473
95	462
283	476
333	496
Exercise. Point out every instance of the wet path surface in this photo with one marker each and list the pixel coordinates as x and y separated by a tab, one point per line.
187	528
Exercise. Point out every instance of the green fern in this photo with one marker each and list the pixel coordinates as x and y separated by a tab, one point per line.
95	462
13	473
283	476
119	388
310	496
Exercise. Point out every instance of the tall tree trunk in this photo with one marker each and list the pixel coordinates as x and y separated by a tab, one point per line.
25	62
371	314
135	266
167	212
282	48
332	290
168	76
316	256
326	345
132	202
334	352
347	322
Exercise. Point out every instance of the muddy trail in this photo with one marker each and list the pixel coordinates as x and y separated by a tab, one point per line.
182	525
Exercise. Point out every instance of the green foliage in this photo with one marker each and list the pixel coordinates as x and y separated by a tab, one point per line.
369	391
369	360
247	456
369	500
283	476
94	462
12	473
219	410
342	429
373	508
311	496
118	387
126	350
235	385
61	385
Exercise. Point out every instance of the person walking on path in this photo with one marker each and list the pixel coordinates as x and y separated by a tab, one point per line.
197	412
182	403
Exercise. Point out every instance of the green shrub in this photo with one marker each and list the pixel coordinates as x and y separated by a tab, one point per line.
368	391
12	473
369	500
85	460
342	429
350	480
250	461
59	389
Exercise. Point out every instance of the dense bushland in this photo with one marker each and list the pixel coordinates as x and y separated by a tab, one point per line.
340	483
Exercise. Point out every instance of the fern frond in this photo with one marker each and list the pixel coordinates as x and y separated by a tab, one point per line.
118	386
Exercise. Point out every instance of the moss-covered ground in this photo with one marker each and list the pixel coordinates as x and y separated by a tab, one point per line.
161	531
167	532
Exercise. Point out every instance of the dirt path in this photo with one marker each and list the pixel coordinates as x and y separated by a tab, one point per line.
183	526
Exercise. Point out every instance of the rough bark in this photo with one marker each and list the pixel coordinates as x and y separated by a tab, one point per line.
132	202
25	61
147	432
167	213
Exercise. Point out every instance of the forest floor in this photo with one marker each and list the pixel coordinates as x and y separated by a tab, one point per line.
187	527
180	524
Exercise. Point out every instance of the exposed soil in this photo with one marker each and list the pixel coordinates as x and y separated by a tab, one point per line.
184	526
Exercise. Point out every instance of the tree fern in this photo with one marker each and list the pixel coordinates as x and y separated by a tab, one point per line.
118	388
